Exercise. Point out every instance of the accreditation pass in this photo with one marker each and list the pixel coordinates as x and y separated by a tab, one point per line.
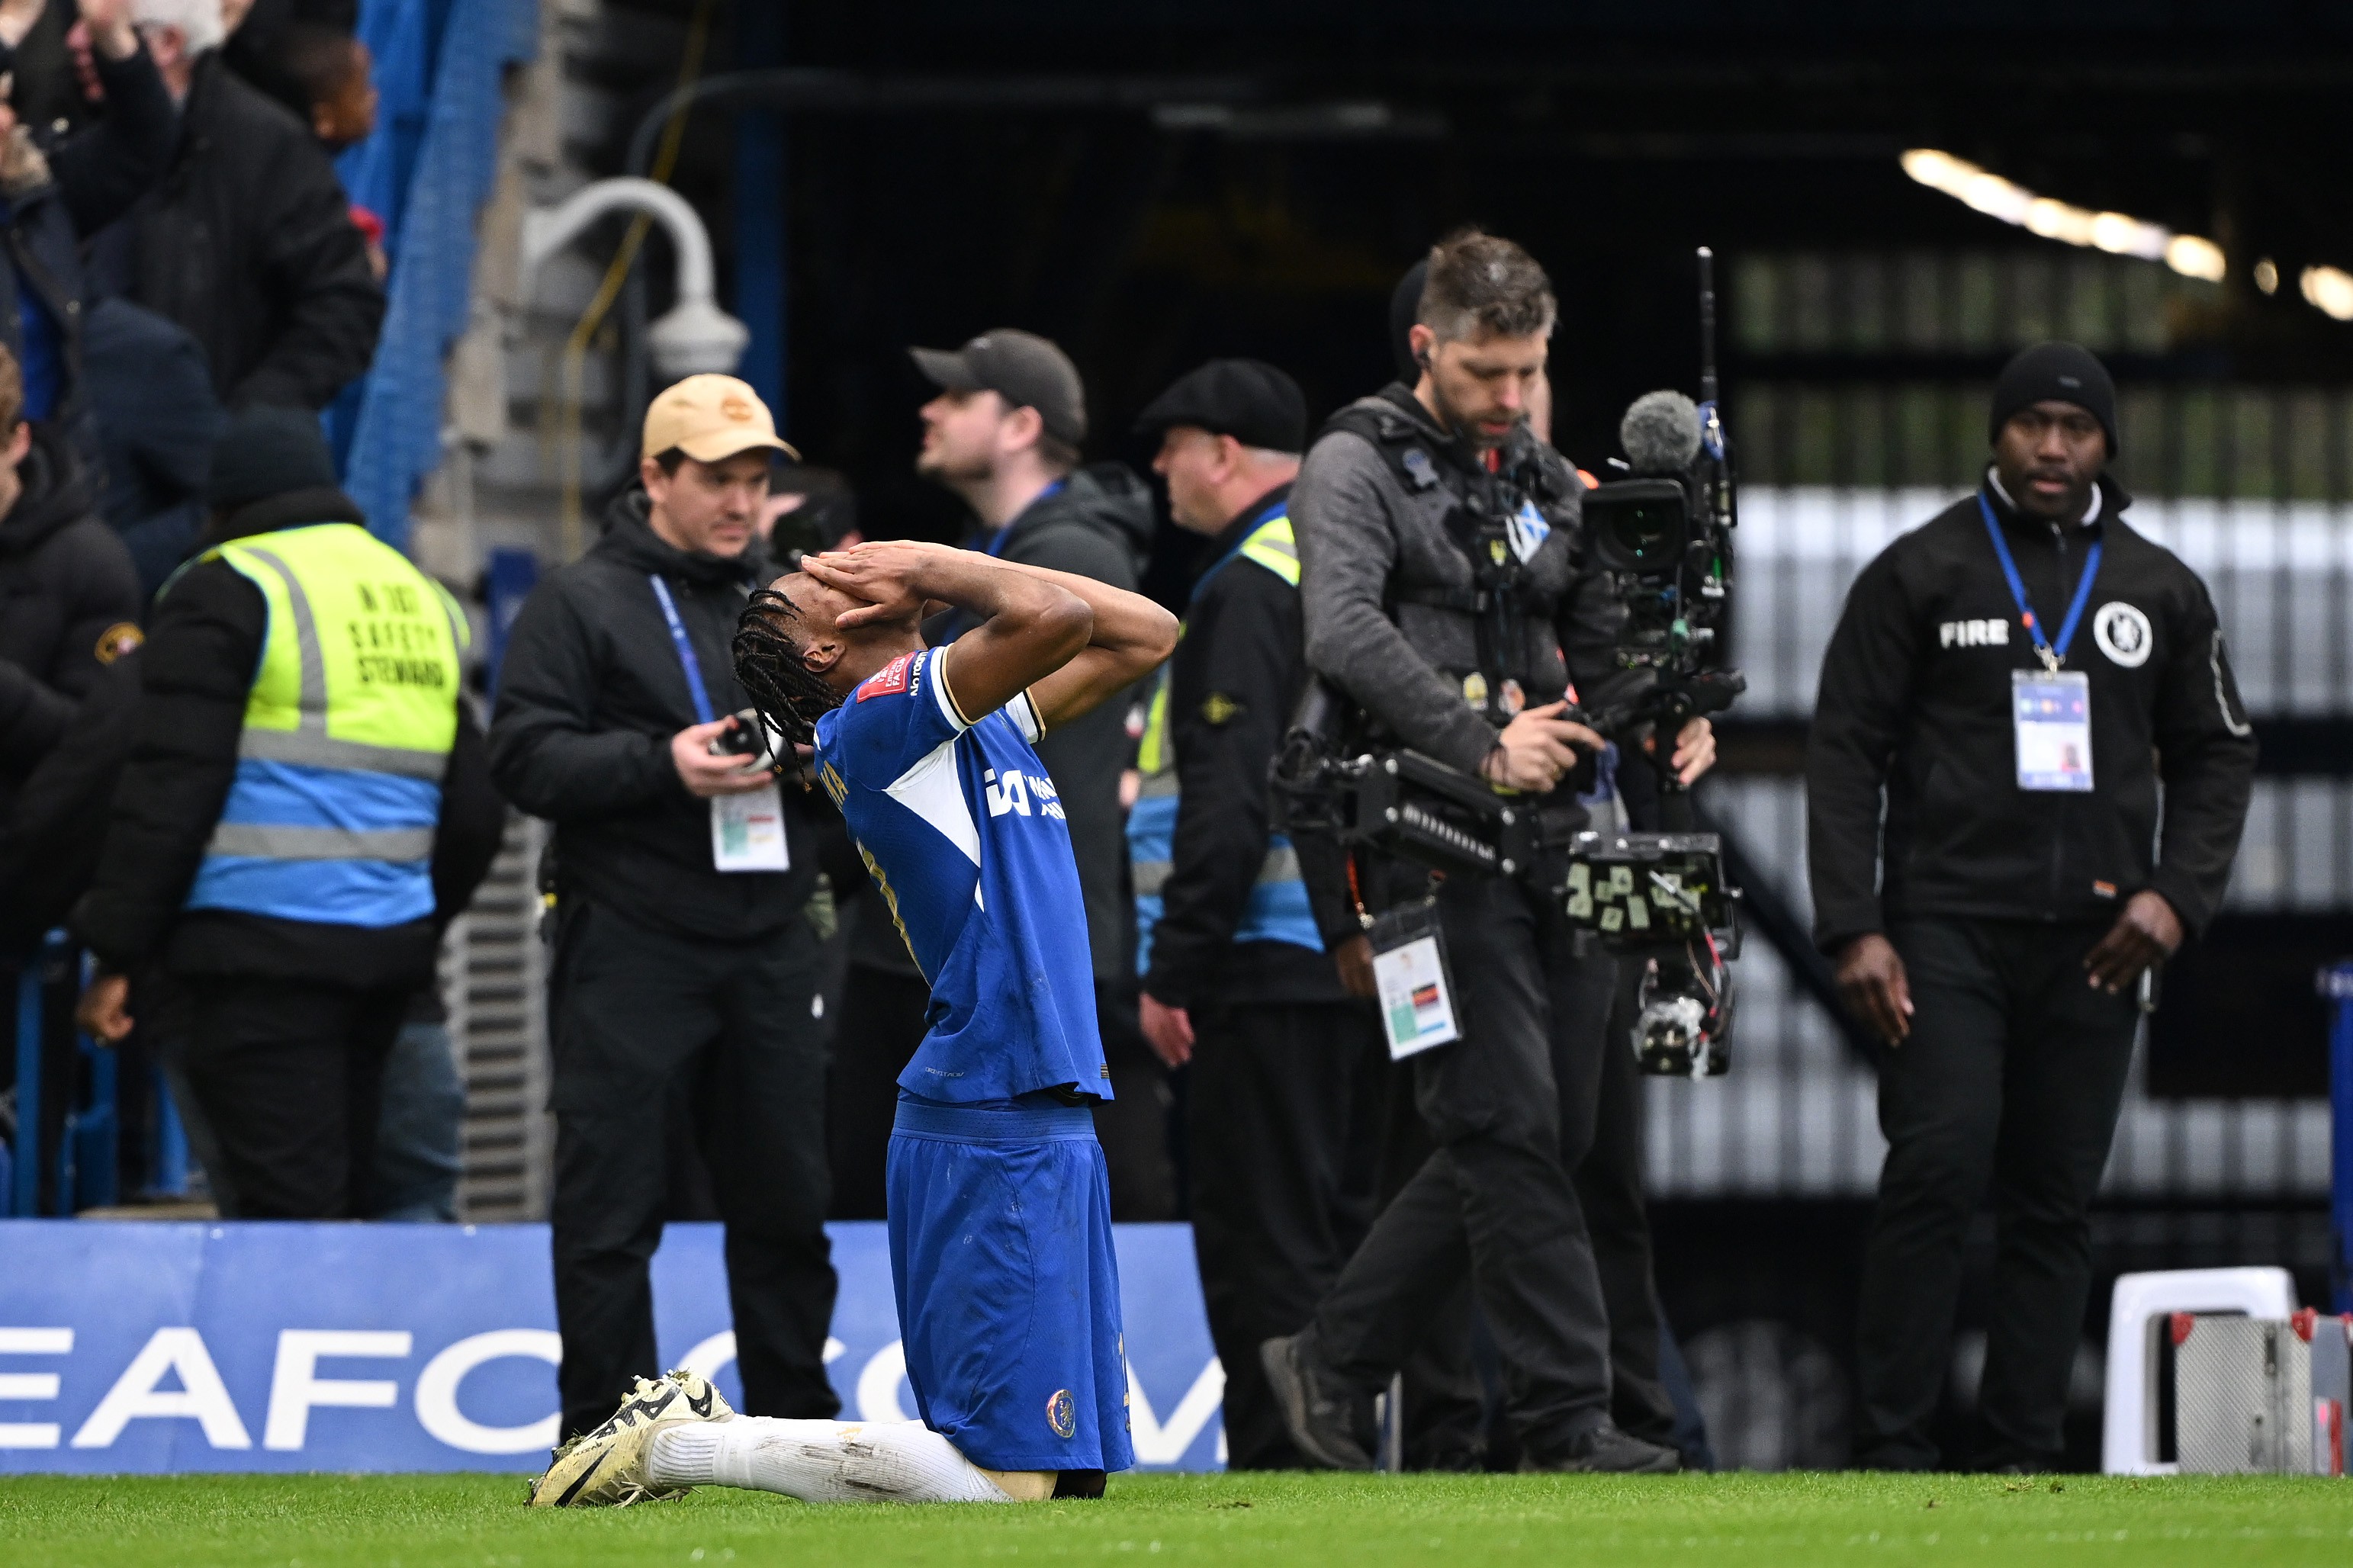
2050	715
747	831
1416	1008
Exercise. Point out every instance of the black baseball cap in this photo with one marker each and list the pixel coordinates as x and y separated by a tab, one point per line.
1248	399
1024	369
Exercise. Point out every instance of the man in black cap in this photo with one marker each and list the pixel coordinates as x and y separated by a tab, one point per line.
1237	976
1004	434
2007	688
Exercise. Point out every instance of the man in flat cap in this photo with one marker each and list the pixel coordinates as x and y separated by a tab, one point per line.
1239	976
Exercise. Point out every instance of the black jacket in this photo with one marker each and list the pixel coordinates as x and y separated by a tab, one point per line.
203	643
157	417
70	603
95	175
247	242
1098	525
1233	682
590	693
1915	699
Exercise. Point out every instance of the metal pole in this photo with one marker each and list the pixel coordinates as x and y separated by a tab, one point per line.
2336	985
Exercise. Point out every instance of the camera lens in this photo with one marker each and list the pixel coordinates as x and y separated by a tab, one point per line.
1647	532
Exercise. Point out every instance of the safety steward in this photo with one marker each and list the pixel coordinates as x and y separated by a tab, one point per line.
2023	700
1237	976
306	775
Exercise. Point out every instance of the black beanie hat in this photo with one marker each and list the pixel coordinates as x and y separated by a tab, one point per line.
265	452
1405	309
2061	373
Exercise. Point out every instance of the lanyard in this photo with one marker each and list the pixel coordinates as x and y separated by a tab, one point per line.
2052	657
685	650
1201	584
1003	536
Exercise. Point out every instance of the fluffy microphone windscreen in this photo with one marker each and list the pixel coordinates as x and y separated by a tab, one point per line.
1660	433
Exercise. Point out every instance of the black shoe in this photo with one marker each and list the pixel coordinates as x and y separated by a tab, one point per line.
1604	1450
1322	1413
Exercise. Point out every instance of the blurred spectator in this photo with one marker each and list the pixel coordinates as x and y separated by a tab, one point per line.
249	241
51	198
338	92
683	989
298	815
69	598
157	420
419	1146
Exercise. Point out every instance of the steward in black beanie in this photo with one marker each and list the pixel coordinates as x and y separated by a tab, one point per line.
2061	373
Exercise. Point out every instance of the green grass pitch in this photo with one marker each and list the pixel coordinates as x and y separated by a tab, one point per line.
1290	1520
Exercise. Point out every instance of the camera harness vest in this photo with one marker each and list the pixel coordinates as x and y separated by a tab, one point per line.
1496	520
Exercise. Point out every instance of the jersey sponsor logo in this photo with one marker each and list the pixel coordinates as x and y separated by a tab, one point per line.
1062	1413
2123	633
1993	633
890	680
1020	793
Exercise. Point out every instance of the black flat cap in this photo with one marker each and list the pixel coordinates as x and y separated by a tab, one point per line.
1024	369
1248	399
2056	373
263	452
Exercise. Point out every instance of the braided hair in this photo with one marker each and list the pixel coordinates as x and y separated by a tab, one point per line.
790	695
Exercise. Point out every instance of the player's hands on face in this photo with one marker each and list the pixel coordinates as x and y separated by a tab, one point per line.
884	574
1353	959
2147	933
1537	748
1870	978
706	776
1169	1031
102	1012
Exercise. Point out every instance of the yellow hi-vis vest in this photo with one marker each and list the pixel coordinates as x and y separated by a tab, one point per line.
347	734
1278	910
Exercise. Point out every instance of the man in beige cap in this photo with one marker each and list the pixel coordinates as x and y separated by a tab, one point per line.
680	1000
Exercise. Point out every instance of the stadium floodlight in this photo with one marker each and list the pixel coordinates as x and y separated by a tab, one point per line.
2118	233
2330	290
695	336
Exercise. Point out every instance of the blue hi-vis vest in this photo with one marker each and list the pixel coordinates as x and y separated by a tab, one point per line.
1278	910
347	732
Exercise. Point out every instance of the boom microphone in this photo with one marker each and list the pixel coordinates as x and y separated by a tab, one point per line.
1661	433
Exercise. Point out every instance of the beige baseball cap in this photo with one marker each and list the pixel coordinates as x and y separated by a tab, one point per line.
711	418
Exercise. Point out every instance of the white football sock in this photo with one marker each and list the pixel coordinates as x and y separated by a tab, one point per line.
820	1461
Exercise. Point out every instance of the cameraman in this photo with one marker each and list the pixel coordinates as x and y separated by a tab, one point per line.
1441	547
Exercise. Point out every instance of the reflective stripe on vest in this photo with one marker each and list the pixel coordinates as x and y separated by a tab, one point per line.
347	732
1278	910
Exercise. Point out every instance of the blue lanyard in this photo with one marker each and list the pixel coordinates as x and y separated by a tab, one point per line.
1201	584
702	712
998	540
2052	656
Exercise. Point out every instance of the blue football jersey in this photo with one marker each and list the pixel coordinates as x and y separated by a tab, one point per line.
965	835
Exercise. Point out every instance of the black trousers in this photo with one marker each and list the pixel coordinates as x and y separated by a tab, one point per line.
2009	1085
1284	1113
1512	1108
1609	1183
290	1075
642	1021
